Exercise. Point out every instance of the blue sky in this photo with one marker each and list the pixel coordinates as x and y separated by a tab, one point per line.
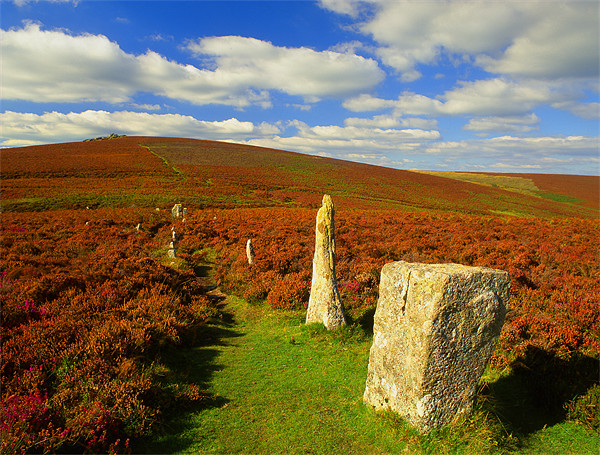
431	85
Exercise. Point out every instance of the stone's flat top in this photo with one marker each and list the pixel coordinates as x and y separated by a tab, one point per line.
447	268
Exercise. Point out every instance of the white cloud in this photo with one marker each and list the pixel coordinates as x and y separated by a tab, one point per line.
498	96
341	141
28	129
530	148
291	70
534	39
514	124
53	66
549	154
56	66
403	148
365	103
387	121
25	2
588	111
348	7
560	41
361	133
553	154
146	107
160	37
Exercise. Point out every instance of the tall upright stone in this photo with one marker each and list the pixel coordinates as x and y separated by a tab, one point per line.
435	328
250	252
325	305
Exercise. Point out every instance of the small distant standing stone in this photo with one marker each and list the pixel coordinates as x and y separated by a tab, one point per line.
250	252
177	211
138	227
171	252
435	328
325	304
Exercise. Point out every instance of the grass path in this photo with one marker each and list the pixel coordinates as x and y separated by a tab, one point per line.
280	386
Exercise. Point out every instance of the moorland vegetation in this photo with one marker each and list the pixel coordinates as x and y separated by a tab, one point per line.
92	308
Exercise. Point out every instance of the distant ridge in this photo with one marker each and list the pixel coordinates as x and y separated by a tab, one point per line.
148	171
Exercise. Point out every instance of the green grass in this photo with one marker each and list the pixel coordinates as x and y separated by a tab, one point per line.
560	198
277	385
517	184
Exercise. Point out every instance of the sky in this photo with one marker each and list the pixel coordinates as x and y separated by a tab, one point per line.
482	86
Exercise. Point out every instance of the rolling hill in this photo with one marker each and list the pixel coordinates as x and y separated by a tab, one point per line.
157	171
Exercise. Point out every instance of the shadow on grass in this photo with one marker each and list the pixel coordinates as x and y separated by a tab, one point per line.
194	364
202	270
366	320
534	395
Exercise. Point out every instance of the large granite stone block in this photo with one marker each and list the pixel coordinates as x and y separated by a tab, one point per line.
435	328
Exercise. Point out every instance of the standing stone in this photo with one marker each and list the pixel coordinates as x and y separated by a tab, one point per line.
250	251
172	252
325	305
177	211
435	328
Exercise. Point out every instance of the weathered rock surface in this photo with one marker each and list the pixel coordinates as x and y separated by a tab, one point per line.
250	252
435	328
177	211
325	305
172	252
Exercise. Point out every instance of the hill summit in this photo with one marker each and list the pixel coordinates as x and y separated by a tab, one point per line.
157	171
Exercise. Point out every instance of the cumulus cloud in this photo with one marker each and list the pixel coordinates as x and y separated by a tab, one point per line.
525	150
146	107
588	111
515	124
533	39
56	66
291	70
560	41
427	151
53	66
498	96
343	140
388	121
348	7
373	143
28	129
